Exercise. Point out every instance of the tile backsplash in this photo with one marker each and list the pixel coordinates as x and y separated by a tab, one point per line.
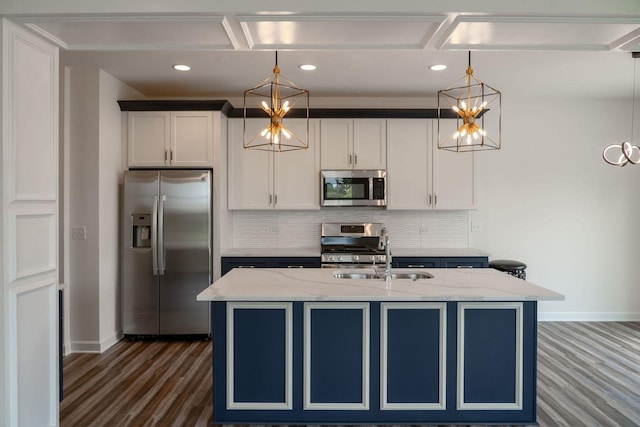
297	229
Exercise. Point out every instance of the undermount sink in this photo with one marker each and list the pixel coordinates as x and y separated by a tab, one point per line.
381	276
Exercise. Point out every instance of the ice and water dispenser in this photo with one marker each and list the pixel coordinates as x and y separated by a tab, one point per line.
141	223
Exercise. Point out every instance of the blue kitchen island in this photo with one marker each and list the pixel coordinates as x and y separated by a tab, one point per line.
303	346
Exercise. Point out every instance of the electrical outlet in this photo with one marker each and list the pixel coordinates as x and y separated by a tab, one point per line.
79	233
425	230
274	230
476	226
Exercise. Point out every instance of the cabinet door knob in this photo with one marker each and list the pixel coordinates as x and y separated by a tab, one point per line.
355	159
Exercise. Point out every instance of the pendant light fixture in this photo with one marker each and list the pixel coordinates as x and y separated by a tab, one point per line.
477	107
274	99
626	152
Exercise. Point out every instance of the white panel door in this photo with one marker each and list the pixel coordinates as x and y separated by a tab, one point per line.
409	164
453	174
191	139
250	178
297	173
336	139
28	230
149	138
369	144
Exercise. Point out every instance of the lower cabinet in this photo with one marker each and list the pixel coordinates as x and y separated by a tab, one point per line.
334	362
441	262
229	263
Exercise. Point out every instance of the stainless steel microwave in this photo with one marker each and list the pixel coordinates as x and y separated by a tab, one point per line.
353	188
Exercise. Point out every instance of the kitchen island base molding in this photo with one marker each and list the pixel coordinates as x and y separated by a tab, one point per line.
374	362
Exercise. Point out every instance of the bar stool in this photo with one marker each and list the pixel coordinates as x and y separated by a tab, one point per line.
509	266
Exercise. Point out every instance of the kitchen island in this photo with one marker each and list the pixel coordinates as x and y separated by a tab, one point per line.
301	346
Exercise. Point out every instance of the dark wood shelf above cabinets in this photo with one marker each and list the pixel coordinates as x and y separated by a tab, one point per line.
314	113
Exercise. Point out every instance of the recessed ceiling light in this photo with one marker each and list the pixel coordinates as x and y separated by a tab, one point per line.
438	67
308	67
181	67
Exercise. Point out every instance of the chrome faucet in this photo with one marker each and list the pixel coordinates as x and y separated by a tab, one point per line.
385	244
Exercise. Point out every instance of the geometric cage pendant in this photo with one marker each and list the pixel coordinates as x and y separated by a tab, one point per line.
274	98
478	112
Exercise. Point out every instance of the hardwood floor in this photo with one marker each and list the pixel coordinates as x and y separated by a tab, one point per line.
588	375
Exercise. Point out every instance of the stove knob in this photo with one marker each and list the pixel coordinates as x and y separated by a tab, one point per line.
372	258
332	258
356	258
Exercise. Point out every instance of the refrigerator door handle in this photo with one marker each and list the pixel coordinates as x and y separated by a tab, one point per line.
161	260
154	236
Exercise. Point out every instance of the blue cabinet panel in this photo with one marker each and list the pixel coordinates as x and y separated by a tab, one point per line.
490	348
259	362
413	355
336	356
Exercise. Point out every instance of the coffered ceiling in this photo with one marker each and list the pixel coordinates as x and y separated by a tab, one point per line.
358	53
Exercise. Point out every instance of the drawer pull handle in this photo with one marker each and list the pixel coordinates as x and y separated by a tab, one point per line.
415	266
246	266
464	266
295	266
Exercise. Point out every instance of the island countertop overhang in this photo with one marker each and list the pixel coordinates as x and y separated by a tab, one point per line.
315	284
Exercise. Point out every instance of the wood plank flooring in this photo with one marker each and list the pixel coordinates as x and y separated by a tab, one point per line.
588	375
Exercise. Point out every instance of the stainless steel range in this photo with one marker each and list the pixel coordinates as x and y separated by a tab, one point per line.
352	245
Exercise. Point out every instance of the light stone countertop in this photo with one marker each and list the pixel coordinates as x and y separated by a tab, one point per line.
315	252
315	284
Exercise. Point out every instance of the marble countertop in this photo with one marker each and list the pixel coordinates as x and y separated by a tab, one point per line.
315	284
315	252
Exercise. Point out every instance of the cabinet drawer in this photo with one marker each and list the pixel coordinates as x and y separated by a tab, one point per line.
411	262
465	262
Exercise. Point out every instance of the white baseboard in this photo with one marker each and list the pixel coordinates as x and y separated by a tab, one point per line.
106	343
84	347
94	346
549	316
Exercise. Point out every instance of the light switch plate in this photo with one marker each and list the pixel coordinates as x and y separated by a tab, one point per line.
79	232
476	226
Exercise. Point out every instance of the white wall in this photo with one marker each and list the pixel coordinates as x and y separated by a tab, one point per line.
110	178
83	286
94	187
549	200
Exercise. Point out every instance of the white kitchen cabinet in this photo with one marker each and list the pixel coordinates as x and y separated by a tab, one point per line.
265	180
353	144
170	138
419	175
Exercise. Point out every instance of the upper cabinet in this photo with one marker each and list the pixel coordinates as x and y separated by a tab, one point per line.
420	176
170	139
353	144
266	180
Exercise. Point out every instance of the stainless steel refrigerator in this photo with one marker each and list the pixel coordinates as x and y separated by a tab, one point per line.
166	254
